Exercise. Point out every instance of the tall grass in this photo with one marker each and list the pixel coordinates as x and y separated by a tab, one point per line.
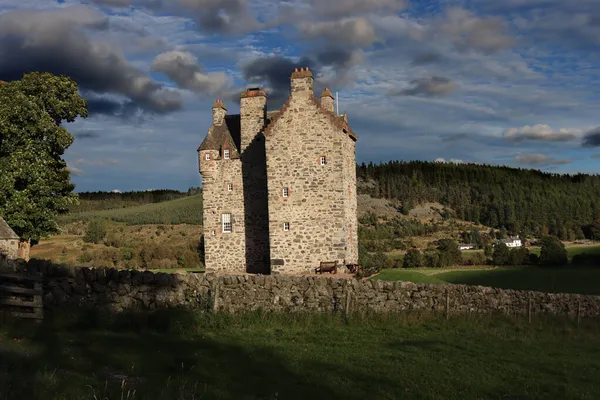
187	210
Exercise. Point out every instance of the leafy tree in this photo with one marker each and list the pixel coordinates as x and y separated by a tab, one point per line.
518	256
488	251
412	259
553	251
96	231
35	185
449	252
500	255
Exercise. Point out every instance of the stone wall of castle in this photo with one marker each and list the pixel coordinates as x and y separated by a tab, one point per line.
134	290
223	251
253	107
316	204
350	201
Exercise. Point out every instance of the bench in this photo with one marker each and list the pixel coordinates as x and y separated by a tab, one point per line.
327	266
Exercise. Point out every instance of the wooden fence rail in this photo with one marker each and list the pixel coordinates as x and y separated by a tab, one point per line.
21	295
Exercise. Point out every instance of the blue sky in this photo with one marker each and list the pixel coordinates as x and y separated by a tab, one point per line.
513	82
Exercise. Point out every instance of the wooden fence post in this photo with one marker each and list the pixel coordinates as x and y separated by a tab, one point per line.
529	308
447	304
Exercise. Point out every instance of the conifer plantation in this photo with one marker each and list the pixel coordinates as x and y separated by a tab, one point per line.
525	202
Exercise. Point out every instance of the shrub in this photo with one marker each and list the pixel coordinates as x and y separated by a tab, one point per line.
553	252
518	256
412	259
488	250
96	231
431	259
449	252
501	254
372	263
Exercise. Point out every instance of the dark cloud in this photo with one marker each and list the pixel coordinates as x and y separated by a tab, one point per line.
55	41
355	32
113	3
86	135
219	16
426	58
343	8
275	71
433	86
183	68
592	138
455	138
595	156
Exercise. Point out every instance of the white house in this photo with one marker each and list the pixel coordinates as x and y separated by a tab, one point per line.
463	246
512	242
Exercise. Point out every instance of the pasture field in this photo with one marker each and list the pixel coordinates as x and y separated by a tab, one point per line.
176	354
186	210
554	280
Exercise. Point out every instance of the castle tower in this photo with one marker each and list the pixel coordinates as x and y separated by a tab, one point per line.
253	110
223	195
327	100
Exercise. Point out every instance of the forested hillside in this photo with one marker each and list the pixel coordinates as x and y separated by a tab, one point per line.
528	202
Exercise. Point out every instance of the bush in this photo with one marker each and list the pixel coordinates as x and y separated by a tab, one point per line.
488	251
501	254
372	263
449	252
518	256
431	259
96	231
553	252
412	259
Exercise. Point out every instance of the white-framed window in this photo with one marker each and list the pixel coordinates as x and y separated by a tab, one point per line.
230	187
207	156
226	223
226	154
286	226
285	192
323	160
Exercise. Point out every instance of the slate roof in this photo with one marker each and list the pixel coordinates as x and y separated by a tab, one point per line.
219	134
6	232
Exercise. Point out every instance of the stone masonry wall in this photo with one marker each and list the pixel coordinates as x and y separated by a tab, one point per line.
223	251
254	171
9	248
350	200
133	290
314	208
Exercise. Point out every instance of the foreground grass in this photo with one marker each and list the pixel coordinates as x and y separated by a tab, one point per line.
563	280
181	355
187	210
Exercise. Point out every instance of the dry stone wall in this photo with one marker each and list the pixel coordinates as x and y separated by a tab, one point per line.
120	290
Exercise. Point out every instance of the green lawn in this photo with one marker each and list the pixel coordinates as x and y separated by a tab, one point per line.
565	280
186	210
180	355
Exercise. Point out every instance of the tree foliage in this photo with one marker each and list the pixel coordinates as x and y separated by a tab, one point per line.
553	252
510	200
412	259
35	184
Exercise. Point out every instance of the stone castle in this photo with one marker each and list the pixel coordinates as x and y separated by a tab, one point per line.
279	187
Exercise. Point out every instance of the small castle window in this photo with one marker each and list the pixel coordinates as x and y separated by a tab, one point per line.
230	187
207	156
226	223
286	226
286	192
226	154
323	160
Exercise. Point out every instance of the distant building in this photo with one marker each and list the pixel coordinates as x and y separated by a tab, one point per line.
9	241
512	242
466	246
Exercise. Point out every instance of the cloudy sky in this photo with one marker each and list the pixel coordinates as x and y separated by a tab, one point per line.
512	82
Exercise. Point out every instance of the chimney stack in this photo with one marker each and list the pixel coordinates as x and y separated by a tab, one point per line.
302	81
327	100
219	112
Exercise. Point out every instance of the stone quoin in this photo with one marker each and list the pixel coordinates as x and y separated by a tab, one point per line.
279	187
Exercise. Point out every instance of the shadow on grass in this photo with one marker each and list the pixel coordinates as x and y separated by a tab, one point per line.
163	355
555	280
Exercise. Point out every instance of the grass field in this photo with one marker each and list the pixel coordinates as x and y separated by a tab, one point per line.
566	280
179	355
187	210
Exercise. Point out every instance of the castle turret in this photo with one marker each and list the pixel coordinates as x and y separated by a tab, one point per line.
253	111
219	111
327	100
302	82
